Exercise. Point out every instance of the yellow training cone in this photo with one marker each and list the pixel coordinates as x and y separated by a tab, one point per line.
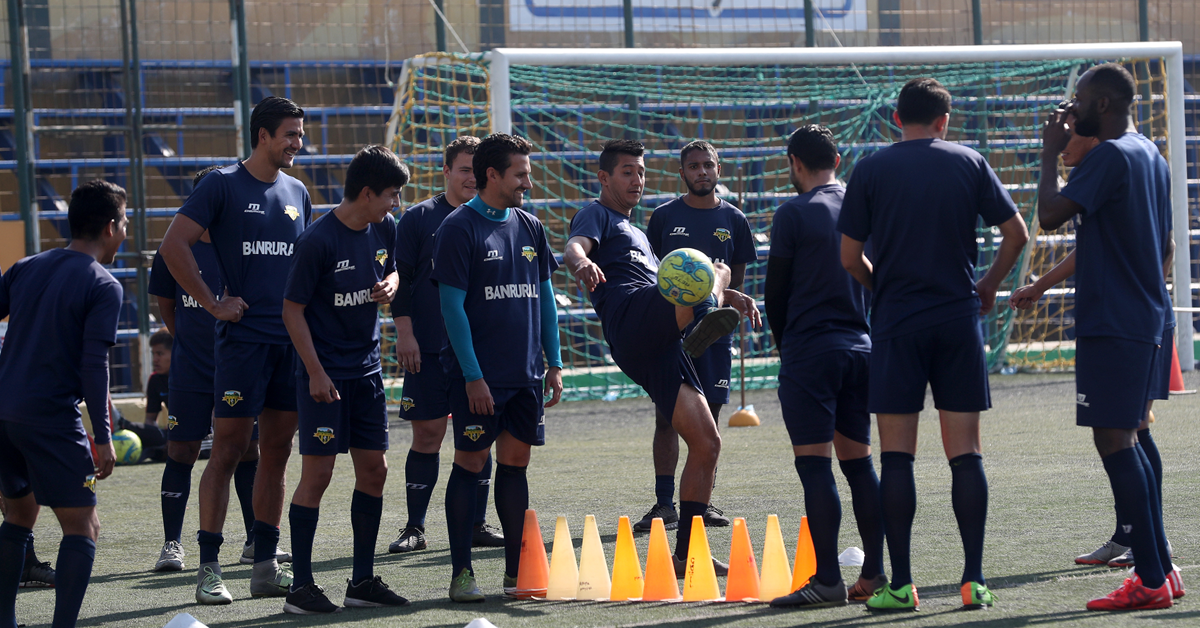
776	578
533	573
742	583
593	567
627	567
806	557
564	574
700	579
662	585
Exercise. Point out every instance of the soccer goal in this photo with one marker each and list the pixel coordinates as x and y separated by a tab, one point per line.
745	102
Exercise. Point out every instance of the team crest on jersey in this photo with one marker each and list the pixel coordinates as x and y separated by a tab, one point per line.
407	403
291	212
528	253
171	422
232	397
722	234
324	434
473	432
381	256
90	483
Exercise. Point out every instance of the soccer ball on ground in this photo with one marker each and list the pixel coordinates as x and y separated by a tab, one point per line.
685	277
128	446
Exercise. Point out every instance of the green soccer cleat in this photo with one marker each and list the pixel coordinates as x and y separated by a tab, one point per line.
888	599
210	588
976	596
510	586
463	588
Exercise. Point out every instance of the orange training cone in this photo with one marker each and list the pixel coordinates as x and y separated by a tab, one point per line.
564	573
661	585
776	578
742	583
627	580
533	574
1177	374
806	557
700	580
593	566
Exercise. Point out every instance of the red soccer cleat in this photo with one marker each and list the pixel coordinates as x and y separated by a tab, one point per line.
1134	596
1176	582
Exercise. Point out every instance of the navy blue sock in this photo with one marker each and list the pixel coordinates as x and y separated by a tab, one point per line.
1131	492
1160	534
512	499
266	540
481	493
30	555
969	496
73	570
365	513
683	534
304	528
664	490
824	510
210	545
13	539
460	515
1150	448
704	307
420	476
1120	536
864	493
898	498
176	487
243	485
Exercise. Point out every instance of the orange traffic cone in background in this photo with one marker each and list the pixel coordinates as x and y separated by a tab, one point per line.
806	557
662	585
564	573
1177	374
776	578
627	567
700	581
533	574
742	583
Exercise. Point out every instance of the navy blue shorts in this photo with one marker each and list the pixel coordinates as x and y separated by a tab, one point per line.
53	462
189	415
251	376
948	356
1160	374
358	419
713	368
1112	381
426	394
823	393
646	344
518	411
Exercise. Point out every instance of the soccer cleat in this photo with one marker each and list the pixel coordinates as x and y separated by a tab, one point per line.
268	579
484	535
1122	561
510	586
813	595
681	567
1102	555
1132	595
889	599
171	557
976	596
248	555
463	588
658	511
411	539
715	518
1176	582
210	588
866	587
309	600
714	326
37	576
371	593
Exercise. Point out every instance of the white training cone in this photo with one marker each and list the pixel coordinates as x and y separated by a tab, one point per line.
852	557
183	620
480	622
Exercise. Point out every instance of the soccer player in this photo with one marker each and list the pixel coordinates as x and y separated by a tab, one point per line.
699	220
492	264
420	335
63	308
818	316
343	268
191	401
1122	191
254	212
919	200
161	344
613	261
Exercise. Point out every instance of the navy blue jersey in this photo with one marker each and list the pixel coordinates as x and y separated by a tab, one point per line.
254	226
621	251
55	301
919	202
192	360
1124	186
722	232
333	272
826	307
501	266
414	247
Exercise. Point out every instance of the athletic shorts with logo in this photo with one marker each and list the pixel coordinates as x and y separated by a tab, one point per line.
948	356
821	393
1112	381
426	395
714	368
54	463
190	415
358	419
518	411
251	376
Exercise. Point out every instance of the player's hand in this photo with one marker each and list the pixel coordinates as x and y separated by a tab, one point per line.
553	385
408	353
1025	297
108	460
480	398
1055	133
322	389
744	304
987	296
589	275
228	308
383	291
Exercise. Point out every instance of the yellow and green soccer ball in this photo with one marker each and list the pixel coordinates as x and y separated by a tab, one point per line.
128	447
685	277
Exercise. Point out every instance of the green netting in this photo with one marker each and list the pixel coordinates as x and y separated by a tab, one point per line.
747	113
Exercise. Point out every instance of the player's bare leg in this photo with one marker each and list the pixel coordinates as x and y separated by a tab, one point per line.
695	425
231	438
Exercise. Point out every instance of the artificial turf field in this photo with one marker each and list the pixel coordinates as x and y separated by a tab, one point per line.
1049	501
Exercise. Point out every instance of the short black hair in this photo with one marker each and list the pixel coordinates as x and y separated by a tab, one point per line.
922	100
814	146
462	144
695	146
1115	82
612	148
495	151
269	114
377	168
202	173
93	205
163	338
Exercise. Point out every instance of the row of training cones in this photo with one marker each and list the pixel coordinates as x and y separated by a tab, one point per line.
561	578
